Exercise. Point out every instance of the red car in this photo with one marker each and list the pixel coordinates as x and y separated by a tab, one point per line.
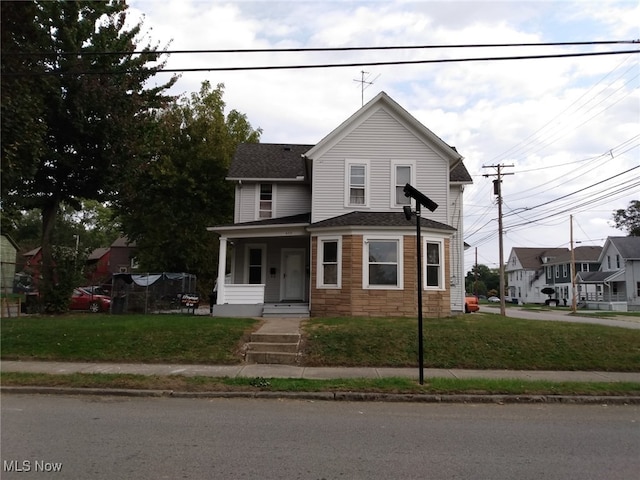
85	300
471	304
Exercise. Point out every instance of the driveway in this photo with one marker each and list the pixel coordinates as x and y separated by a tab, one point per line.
564	316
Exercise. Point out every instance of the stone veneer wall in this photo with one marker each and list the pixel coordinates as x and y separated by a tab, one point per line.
353	300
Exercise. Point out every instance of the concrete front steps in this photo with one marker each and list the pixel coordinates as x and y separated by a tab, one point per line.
273	348
286	310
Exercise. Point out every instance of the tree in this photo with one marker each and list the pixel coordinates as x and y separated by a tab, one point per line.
169	200
629	219
482	279
75	106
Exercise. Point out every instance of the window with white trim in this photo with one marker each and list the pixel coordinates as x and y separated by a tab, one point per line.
356	184
329	262
265	204
434	268
402	176
255	264
382	263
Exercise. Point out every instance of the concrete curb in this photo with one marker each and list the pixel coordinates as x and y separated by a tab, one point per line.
336	396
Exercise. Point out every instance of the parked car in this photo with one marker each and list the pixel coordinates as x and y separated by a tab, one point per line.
493	299
471	304
82	299
96	290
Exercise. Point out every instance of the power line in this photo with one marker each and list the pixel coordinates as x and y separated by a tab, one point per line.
329	49
326	65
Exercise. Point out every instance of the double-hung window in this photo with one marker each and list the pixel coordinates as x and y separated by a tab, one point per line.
357	184
434	268
265	204
255	264
329	259
401	174
382	263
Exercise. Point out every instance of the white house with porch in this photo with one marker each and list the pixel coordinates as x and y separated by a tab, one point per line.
616	286
320	230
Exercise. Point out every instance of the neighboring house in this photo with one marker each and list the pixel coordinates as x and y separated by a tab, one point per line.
558	271
122	256
97	269
321	227
616	285
8	257
101	264
527	274
529	270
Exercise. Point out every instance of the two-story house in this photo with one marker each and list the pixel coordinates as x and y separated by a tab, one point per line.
527	274
529	270
558	271
616	285
322	226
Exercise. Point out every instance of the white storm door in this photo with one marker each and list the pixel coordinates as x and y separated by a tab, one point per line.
292	280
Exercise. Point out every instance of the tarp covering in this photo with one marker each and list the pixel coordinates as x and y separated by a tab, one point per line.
151	292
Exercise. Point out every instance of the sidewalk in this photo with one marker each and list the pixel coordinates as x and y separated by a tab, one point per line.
312	373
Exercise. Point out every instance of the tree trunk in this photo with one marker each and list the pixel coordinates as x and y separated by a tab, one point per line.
47	282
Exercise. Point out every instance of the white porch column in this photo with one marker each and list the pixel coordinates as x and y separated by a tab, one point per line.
222	265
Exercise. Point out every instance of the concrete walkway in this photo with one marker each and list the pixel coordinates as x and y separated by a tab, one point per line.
313	373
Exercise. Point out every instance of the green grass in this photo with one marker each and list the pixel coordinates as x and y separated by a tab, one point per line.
479	341
384	385
125	338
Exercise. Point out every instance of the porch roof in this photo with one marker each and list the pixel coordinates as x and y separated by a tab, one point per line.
601	277
378	219
275	226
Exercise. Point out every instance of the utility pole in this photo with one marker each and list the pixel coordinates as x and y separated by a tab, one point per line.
497	190
573	269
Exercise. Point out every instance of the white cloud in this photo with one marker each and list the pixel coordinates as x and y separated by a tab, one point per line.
536	114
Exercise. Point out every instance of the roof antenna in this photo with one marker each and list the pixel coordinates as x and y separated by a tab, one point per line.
365	81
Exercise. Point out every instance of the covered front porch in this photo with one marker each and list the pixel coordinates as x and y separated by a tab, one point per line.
264	268
602	291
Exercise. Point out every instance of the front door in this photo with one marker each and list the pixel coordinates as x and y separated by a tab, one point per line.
293	280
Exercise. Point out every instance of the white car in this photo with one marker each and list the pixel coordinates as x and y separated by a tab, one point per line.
493	300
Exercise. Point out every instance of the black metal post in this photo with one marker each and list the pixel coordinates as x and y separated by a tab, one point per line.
419	267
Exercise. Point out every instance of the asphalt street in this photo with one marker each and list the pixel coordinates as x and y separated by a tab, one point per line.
160	438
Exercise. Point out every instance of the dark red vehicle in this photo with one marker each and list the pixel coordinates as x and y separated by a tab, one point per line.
82	299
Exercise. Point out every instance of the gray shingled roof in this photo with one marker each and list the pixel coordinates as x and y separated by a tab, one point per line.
378	219
268	160
281	160
629	247
583	253
460	174
290	220
531	258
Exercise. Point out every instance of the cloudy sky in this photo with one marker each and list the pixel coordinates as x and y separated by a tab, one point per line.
569	126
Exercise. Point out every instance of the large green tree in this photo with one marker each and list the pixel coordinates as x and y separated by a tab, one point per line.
629	219
170	199
76	106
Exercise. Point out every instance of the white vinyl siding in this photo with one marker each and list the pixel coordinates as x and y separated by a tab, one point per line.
287	200
380	139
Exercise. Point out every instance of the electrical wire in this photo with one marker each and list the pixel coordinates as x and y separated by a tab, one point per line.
325	65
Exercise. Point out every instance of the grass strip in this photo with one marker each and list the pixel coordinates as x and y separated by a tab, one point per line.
385	385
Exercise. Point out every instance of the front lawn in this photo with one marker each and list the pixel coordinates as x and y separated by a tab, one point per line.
477	341
126	338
